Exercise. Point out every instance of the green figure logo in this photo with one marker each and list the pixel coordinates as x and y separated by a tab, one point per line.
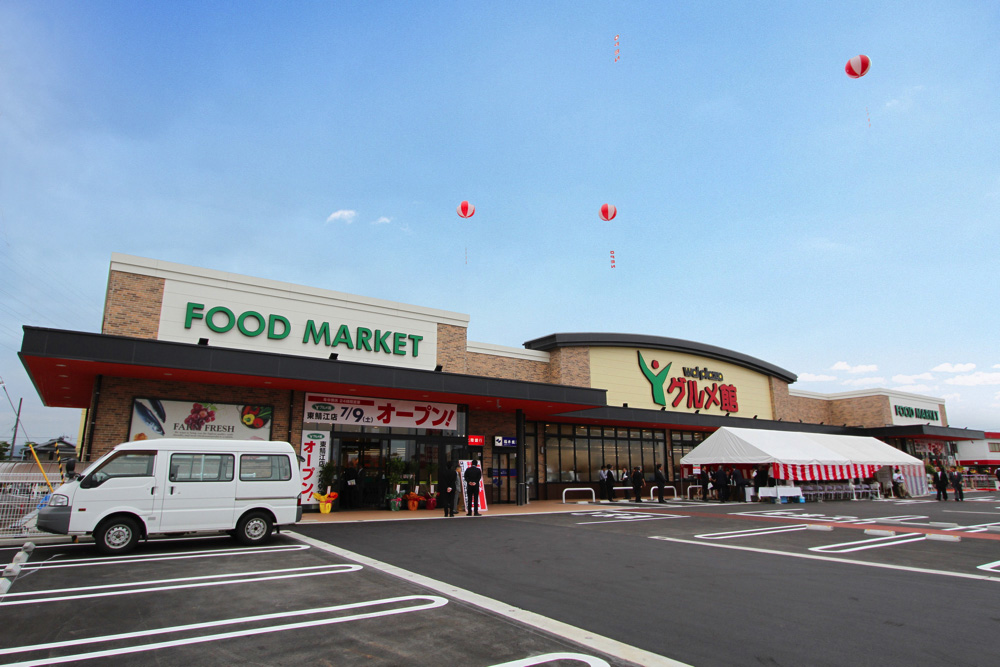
656	380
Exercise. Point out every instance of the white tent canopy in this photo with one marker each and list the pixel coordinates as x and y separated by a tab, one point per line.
735	446
804	456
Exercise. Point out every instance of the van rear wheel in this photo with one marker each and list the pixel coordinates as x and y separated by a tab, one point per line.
254	528
117	535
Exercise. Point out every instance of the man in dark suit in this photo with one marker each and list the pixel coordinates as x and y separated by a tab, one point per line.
660	480
722	484
473	480
941	483
740	484
449	484
609	482
956	483
638	483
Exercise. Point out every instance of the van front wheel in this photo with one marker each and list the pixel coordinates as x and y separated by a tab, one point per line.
253	528
117	536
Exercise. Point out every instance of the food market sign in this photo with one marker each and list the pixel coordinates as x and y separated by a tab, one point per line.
907	410
241	312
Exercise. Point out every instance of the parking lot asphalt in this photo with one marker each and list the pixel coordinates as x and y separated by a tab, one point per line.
734	584
209	601
548	584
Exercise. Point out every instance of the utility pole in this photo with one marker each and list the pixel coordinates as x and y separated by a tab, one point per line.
17	421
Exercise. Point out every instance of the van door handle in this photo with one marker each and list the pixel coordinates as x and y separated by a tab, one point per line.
152	491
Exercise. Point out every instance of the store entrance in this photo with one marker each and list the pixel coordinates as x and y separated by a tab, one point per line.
362	473
503	476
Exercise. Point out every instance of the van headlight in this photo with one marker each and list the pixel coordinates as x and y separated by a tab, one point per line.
58	500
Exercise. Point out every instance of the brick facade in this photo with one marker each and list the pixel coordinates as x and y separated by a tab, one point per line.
132	305
451	348
115	411
570	365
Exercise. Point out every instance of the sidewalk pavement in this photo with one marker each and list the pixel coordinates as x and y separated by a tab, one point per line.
355	516
348	516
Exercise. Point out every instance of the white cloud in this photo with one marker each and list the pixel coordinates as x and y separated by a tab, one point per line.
996	365
861	368
864	382
383	220
955	368
975	379
910	379
343	214
809	377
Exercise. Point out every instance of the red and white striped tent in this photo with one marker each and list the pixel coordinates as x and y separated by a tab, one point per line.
798	456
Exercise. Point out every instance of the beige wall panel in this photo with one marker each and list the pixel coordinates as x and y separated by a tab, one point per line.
617	370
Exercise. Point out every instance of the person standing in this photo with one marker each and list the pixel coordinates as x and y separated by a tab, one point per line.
956	483
449	482
739	483
610	480
473	479
897	483
704	478
722	484
638	483
602	483
624	479
660	479
997	471
941	483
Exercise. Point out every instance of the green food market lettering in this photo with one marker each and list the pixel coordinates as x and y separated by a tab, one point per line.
251	324
916	413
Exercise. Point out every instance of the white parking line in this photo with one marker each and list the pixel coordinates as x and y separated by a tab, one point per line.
428	602
579	636
37	597
830	559
753	532
175	555
872	543
555	657
990	567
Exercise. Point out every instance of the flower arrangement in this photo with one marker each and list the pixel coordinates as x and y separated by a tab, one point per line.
325	500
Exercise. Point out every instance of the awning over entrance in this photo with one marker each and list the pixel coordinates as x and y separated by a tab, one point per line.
63	365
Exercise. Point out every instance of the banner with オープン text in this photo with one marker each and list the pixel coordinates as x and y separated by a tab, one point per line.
328	409
314	452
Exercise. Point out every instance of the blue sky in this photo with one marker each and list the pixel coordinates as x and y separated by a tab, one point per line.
846	230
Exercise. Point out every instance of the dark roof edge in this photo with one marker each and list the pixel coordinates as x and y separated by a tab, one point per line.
556	340
917	430
109	348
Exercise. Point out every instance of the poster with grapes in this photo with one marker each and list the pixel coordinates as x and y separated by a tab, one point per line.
156	418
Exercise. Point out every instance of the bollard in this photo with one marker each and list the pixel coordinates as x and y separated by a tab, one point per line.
884	533
818	526
20	557
28	547
4	586
943	538
11	571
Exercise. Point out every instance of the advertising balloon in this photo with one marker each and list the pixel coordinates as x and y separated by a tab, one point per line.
857	66
608	212
466	210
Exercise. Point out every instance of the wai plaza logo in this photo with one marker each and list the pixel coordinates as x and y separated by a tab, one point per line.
721	396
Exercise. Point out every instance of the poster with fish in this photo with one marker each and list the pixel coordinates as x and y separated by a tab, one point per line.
156	418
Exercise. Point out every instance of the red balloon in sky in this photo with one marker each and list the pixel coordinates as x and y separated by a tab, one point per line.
608	212
857	66
466	210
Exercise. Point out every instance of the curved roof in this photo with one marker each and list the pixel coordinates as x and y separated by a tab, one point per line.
558	340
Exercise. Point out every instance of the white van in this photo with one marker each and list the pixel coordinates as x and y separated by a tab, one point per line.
174	485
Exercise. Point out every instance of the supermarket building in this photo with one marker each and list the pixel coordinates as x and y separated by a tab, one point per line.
386	393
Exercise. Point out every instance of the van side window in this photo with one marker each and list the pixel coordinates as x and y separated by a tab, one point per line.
202	467
265	468
124	464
